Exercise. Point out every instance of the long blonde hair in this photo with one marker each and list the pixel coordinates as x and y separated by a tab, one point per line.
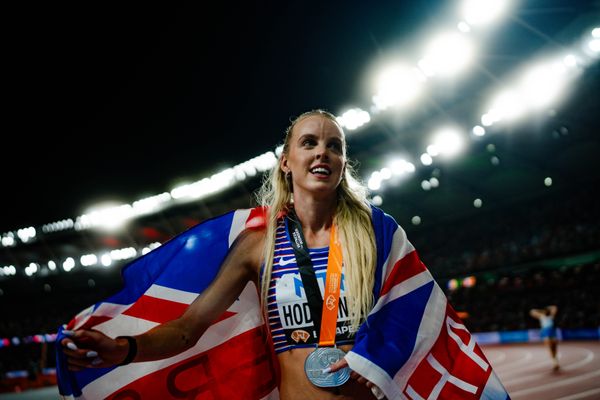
353	220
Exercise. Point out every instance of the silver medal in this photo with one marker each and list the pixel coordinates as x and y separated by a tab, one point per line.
321	358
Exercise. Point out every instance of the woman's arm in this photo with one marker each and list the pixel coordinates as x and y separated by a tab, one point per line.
535	313
90	348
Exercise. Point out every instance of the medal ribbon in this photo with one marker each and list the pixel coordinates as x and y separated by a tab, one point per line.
331	294
324	312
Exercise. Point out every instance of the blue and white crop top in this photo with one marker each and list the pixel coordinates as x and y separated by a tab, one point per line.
289	315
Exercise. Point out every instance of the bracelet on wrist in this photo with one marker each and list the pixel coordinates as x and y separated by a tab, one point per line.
131	353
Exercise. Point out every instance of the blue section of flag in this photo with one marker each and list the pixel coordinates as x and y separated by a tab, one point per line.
384	227
389	336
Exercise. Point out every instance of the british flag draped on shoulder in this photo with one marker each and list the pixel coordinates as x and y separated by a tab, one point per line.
232	360
413	345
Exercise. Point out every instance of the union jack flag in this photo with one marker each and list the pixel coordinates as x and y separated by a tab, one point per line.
412	346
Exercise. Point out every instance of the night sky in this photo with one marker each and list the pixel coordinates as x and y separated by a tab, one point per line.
114	103
120	102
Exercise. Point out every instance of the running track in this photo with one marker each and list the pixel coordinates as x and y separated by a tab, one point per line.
526	370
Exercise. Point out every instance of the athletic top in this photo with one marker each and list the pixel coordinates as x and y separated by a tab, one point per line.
546	321
289	315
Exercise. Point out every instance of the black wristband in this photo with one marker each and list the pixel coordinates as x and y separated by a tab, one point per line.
132	349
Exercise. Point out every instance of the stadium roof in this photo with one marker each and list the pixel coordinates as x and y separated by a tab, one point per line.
129	103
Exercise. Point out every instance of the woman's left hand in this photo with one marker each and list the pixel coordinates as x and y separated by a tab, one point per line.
359	378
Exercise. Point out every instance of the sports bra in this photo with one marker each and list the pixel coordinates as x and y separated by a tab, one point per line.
289	315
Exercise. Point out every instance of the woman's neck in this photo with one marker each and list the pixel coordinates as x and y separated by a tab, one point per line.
315	215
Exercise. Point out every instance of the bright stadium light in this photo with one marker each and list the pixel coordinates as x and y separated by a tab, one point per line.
594	45
448	142
570	60
543	84
354	118
374	182
377	201
478	130
68	264
107	217
446	55
398	85
401	167
483	12
426	159
508	105
88	259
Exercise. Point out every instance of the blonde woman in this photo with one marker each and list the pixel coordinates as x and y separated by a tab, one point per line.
352	312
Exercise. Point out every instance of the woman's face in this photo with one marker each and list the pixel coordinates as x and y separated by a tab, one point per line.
316	156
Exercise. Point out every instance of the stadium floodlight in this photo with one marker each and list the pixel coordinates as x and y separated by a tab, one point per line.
448	141
151	204
88	260
374	182
594	45
354	118
123	254
107	217
570	60
26	234
8	270
106	260
68	264
31	269
543	84
463	27
8	239
483	12
401	166
426	159
478	130
446	55
398	85
377	200
508	105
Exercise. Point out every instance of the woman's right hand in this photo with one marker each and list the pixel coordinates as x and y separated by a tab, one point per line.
92	349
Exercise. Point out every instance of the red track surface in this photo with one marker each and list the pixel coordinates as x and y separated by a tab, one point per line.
526	370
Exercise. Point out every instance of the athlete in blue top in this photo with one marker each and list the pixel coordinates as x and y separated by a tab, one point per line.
548	329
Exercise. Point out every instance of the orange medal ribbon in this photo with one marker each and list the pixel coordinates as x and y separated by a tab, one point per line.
331	292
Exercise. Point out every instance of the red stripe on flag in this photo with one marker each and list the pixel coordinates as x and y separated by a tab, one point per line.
242	368
405	268
160	310
257	218
447	353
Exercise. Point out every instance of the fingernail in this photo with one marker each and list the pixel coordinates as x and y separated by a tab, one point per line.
96	361
71	346
327	370
68	333
91	354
